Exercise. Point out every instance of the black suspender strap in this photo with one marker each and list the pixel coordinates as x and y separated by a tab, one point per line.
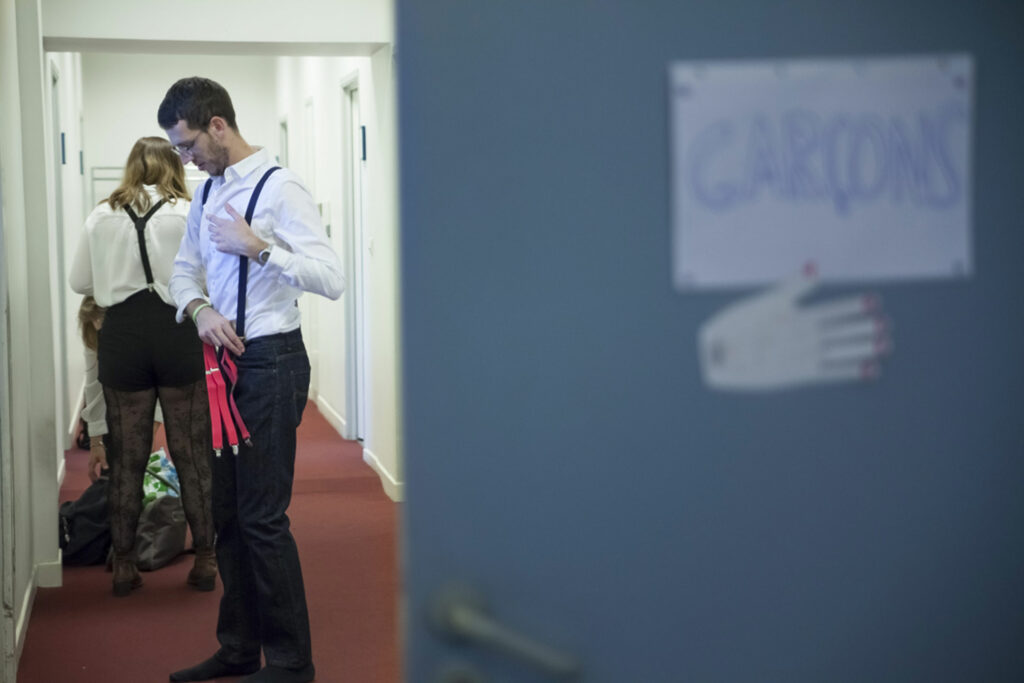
206	190
140	226
243	260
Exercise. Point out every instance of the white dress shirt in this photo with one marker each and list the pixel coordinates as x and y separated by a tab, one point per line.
107	263
301	258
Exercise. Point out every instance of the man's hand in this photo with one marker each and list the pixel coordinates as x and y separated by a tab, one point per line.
234	235
215	329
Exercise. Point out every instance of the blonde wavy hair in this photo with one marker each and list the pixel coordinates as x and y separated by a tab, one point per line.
90	320
152	161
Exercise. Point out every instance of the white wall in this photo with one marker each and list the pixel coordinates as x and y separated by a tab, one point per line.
67	68
320	80
385	304
30	431
43	383
310	22
17	563
122	94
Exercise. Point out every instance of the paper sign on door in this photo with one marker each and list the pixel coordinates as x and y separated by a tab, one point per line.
859	166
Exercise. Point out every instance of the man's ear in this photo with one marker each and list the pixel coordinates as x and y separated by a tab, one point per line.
217	126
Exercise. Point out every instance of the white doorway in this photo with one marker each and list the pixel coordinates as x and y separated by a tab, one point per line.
356	245
309	304
59	278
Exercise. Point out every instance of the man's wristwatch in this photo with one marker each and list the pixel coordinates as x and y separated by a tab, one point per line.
264	255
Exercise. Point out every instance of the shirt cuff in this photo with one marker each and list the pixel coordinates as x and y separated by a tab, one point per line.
277	262
181	316
97	428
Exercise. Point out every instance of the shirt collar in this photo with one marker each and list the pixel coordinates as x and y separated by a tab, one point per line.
251	163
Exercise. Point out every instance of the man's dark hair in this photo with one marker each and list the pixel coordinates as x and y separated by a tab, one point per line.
195	100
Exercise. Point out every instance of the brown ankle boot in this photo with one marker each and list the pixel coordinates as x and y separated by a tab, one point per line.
203	576
126	574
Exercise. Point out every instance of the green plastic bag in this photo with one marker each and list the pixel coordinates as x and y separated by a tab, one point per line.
161	478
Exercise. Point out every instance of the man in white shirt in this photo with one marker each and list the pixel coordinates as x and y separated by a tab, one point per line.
264	604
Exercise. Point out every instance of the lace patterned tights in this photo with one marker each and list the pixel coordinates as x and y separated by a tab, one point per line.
130	440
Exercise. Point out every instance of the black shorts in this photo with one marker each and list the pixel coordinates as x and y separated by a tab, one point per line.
142	347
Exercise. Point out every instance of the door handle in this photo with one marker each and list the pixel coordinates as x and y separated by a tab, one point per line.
460	614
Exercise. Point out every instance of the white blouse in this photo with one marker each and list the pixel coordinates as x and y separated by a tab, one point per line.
107	262
95	410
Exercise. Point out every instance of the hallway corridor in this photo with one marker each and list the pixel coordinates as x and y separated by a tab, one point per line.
346	529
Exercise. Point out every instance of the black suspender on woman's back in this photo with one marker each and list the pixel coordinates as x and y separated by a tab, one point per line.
243	260
140	226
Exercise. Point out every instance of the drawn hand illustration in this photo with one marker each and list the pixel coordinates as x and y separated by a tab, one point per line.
767	342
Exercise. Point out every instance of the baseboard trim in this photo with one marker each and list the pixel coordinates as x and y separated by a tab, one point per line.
394	489
21	628
50	574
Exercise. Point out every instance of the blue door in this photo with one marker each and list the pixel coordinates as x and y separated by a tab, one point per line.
581	505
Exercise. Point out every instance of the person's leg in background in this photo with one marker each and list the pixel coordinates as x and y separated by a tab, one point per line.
130	436
187	425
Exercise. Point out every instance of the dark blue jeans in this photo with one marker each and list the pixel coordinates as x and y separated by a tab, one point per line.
264	602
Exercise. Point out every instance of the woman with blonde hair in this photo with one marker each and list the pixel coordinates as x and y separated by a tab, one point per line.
124	260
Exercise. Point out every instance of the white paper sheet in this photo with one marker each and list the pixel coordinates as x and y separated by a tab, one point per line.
860	167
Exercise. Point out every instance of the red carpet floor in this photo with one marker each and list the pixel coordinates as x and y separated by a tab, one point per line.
345	527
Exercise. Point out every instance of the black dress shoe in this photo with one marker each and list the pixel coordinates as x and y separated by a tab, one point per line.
214	668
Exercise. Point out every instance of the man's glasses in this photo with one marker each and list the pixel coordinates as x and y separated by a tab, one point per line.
185	148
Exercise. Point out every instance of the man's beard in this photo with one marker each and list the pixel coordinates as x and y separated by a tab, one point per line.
218	159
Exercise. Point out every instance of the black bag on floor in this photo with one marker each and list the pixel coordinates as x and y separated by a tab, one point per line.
161	533
85	526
